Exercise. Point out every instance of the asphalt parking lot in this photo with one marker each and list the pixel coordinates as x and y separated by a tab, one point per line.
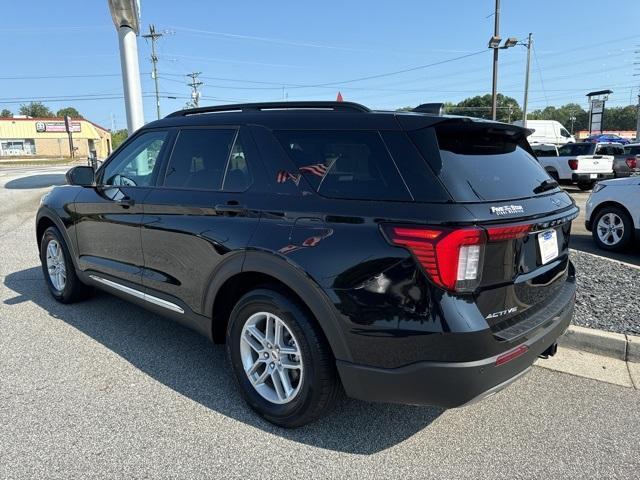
106	389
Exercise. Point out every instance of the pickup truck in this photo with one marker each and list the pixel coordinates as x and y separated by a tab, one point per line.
586	163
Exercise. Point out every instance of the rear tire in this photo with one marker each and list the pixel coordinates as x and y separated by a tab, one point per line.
584	186
59	271
612	229
256	356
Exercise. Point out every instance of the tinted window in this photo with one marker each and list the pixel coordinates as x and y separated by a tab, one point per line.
479	163
564	133
345	164
610	150
422	183
237	178
136	163
635	150
544	151
199	159
575	149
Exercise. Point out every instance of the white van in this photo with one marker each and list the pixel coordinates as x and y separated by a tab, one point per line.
547	131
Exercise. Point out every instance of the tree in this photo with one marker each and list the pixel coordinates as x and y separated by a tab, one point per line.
479	106
35	109
72	112
118	137
6	113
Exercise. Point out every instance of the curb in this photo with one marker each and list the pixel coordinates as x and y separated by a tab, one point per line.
615	345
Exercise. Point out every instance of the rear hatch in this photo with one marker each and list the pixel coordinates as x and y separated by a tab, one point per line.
523	257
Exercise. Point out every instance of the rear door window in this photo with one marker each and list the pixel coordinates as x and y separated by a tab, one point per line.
199	159
478	163
345	164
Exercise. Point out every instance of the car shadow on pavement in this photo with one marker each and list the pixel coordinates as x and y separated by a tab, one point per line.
36	181
190	365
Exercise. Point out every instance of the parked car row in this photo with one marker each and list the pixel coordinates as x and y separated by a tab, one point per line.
586	163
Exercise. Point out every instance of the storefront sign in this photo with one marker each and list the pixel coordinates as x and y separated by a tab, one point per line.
55	127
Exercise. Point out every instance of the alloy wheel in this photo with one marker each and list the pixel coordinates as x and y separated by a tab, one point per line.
610	229
55	265
271	357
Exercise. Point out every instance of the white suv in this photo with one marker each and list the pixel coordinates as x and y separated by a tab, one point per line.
613	213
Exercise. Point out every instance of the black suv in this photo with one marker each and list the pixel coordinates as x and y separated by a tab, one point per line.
405	257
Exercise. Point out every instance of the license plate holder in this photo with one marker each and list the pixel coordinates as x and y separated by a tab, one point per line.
548	243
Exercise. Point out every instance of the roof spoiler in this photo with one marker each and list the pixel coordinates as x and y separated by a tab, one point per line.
433	108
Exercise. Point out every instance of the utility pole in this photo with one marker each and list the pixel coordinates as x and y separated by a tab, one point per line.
494	88
195	94
638	122
526	81
154	60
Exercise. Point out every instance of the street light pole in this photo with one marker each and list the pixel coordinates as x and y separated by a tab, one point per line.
126	19
526	82
494	88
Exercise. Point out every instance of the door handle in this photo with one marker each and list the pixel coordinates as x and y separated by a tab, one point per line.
230	209
126	202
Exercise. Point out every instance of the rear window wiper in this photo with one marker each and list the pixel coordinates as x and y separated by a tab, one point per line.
548	184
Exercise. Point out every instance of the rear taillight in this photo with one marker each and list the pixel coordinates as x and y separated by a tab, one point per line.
497	234
632	162
452	257
573	164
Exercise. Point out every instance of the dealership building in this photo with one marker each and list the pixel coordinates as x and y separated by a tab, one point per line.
48	137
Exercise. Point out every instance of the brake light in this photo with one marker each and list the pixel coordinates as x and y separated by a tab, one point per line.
451	257
632	162
573	164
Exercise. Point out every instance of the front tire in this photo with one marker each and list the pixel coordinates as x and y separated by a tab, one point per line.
280	359
59	271
612	229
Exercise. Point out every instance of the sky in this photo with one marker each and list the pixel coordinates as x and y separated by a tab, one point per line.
385	55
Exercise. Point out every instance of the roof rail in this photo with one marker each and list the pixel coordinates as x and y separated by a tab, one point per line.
254	107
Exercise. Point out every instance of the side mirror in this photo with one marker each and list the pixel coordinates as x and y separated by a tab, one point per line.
81	175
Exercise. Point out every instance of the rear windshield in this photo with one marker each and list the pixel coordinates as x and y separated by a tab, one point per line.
544	151
575	149
480	163
609	150
633	150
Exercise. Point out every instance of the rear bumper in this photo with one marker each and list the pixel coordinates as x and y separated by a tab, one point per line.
448	384
587	177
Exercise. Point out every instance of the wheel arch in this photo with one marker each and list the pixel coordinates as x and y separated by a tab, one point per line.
612	203
238	276
46	219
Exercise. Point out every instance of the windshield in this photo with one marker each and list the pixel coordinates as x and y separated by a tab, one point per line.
575	149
